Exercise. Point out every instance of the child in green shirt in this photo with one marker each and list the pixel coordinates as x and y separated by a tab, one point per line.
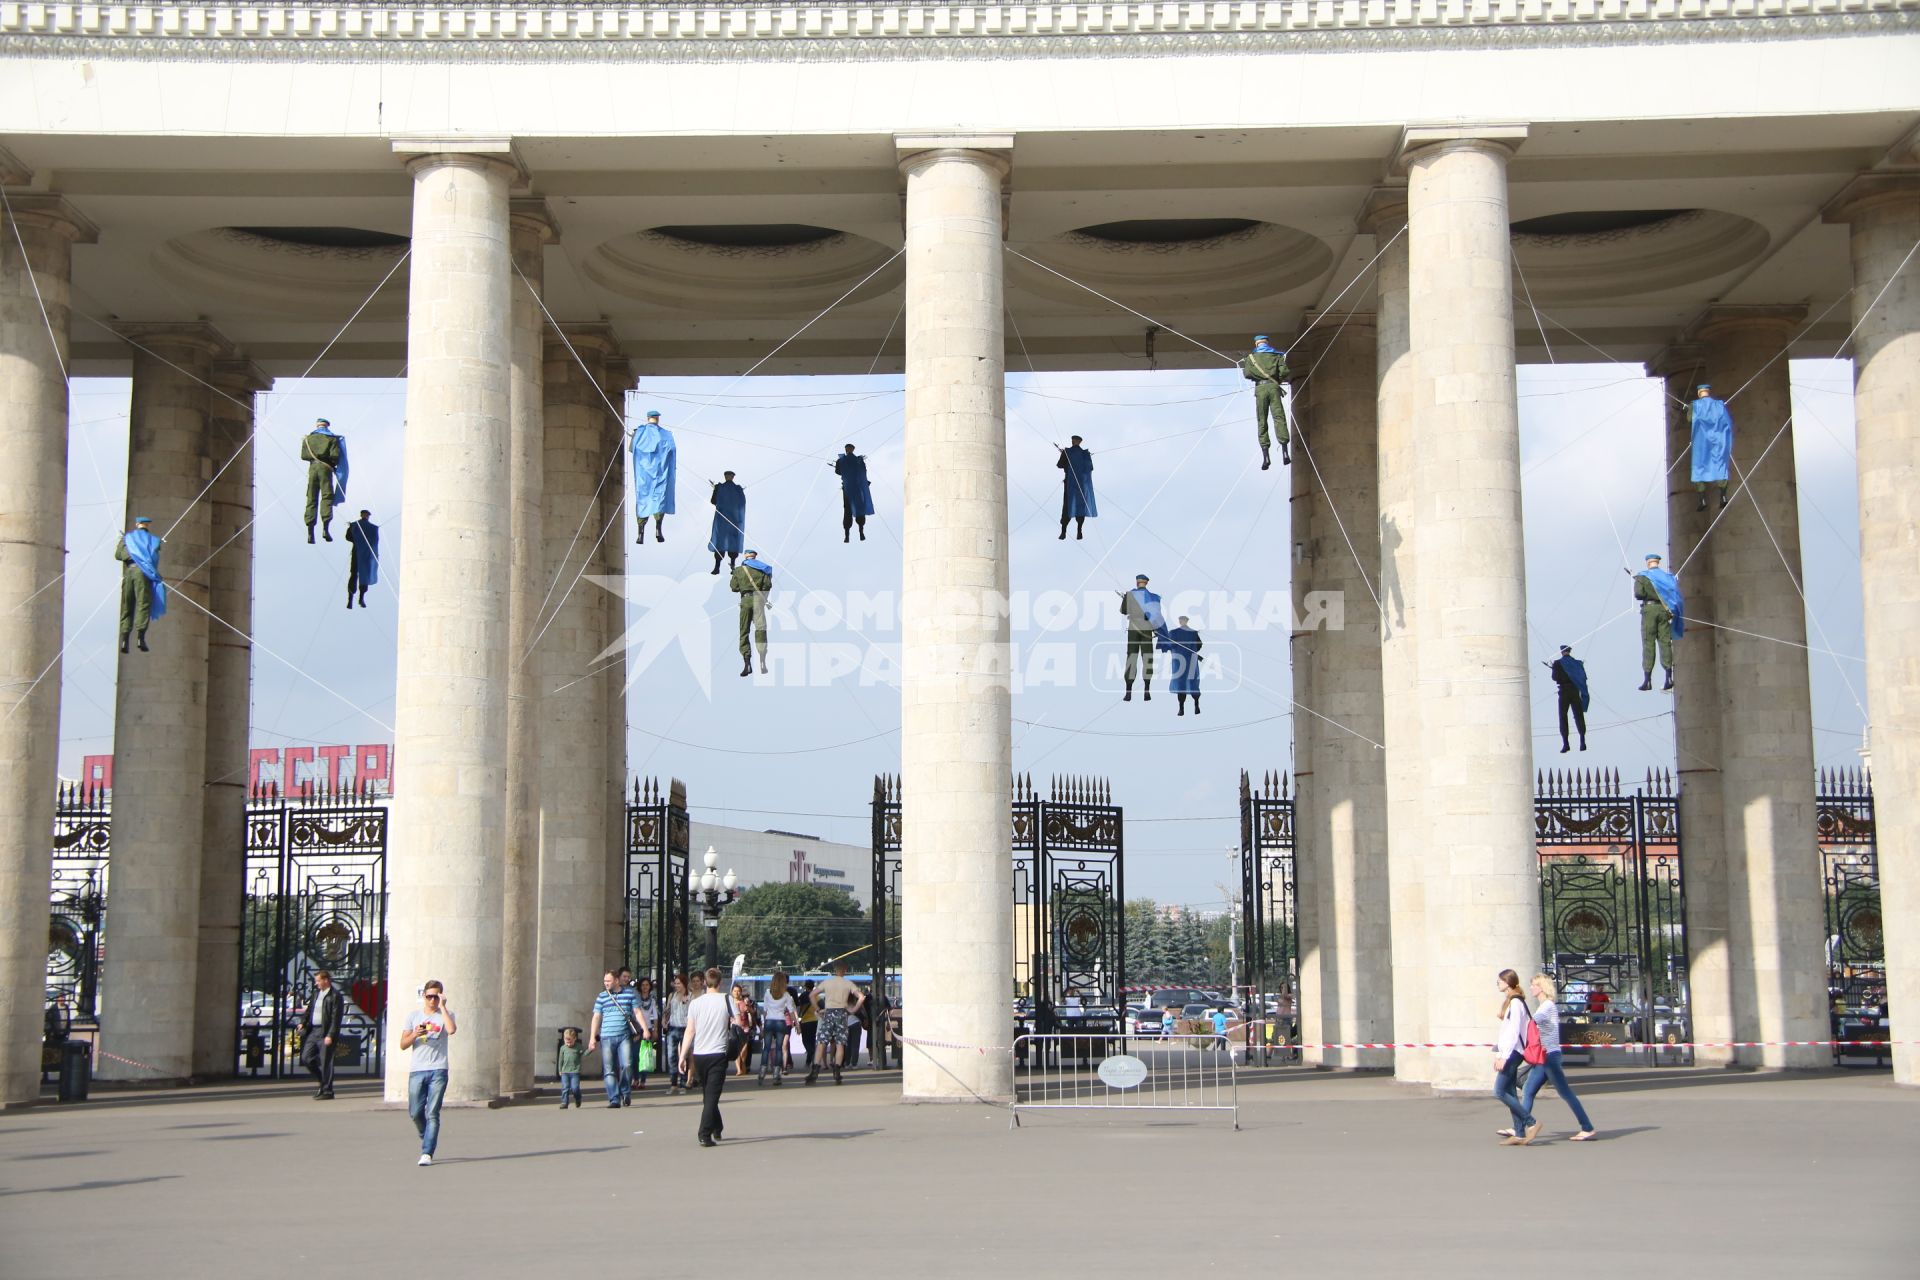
567	1062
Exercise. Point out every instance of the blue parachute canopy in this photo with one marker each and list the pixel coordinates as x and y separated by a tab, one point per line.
143	549
1668	588
1712	440
729	519
656	470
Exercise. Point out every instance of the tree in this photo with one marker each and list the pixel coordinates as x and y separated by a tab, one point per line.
797	926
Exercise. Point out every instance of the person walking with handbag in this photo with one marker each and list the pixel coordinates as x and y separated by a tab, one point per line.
1546	1020
705	1051
777	1015
678	998
611	1032
1509	1053
646	1049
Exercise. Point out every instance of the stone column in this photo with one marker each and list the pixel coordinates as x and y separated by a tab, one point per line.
1884	212
33	525
229	714
1309	851
1343	803
1483	879
1696	724
450	718
1404	774
160	719
574	798
956	751
531	229
1776	926
613	563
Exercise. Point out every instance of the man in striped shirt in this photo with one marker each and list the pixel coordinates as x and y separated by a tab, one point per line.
615	1023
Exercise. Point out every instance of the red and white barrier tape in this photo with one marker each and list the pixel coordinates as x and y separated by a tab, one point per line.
130	1062
1438	1044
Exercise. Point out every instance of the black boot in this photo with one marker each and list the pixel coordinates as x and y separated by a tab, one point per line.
1564	748
1196	704
746	666
863	531
363	599
639	540
349	599
716	564
1147	694
1583	744
1669	684
1723	497
326	531
1063	531
141	640
1128	695
1266	457
1286	455
1181	698
658	535
1646	682
123	643
1702	504
846	534
1080	529
310	530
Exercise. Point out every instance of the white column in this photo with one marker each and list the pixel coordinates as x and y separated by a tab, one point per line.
1483	880
955	699
1884	213
160	720
531	229
1309	850
33	524
1696	726
229	714
450	720
615	383
574	797
1336	571
1405	774
1776	920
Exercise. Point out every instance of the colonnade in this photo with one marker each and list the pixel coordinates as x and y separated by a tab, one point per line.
1416	836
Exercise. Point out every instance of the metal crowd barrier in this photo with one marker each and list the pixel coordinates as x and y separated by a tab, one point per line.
1165	1073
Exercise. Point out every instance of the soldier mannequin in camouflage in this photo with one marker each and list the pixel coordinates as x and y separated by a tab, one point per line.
1266	368
320	450
143	596
1661	619
752	579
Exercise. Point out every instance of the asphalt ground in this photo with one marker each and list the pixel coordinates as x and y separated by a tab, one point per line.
1697	1173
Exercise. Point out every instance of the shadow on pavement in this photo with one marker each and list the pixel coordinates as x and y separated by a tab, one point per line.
102	1185
798	1137
1652	1079
57	1155
525	1155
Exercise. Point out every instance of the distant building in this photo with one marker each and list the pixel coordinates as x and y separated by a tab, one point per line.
787	857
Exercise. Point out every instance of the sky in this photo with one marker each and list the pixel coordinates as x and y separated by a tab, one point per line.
1181	499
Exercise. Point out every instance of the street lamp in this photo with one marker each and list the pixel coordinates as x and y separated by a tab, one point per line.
716	893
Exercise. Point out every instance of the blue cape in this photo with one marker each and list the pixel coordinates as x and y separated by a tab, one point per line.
761	565
729	520
143	549
366	559
1712	441
656	469
1078	464
1668	588
852	469
1150	608
340	470
1183	643
1577	672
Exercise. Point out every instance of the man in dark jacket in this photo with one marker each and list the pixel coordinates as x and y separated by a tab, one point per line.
322	1028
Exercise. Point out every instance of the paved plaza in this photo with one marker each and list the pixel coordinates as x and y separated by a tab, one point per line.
1702	1174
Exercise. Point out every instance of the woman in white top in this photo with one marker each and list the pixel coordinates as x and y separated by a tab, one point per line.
1506	1054
777	1015
1546	1017
678	998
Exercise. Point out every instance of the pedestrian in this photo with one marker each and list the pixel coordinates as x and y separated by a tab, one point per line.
703	1054
1507	1053
1546	1018
323	1025
566	1064
743	1018
777	1016
809	1022
611	1032
646	1050
426	1032
678	998
833	998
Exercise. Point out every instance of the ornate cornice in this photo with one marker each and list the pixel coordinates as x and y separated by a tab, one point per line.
693	32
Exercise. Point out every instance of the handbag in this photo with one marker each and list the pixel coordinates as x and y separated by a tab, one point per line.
643	1057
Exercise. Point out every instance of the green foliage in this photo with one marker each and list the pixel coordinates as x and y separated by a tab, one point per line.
795	926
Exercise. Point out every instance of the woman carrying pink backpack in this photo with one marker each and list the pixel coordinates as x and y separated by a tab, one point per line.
1517	1035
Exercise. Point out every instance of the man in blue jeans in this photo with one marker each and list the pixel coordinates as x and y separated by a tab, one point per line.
612	1033
425	1032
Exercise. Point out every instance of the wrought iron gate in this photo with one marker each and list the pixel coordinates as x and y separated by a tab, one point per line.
316	898
1069	885
658	892
1856	936
77	904
1270	969
1613	907
884	945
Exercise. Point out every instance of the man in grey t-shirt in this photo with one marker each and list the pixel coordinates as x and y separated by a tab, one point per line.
703	1054
425	1031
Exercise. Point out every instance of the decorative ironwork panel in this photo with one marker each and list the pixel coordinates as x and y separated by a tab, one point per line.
1613	907
1856	933
77	902
659	888
1270	969
316	898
